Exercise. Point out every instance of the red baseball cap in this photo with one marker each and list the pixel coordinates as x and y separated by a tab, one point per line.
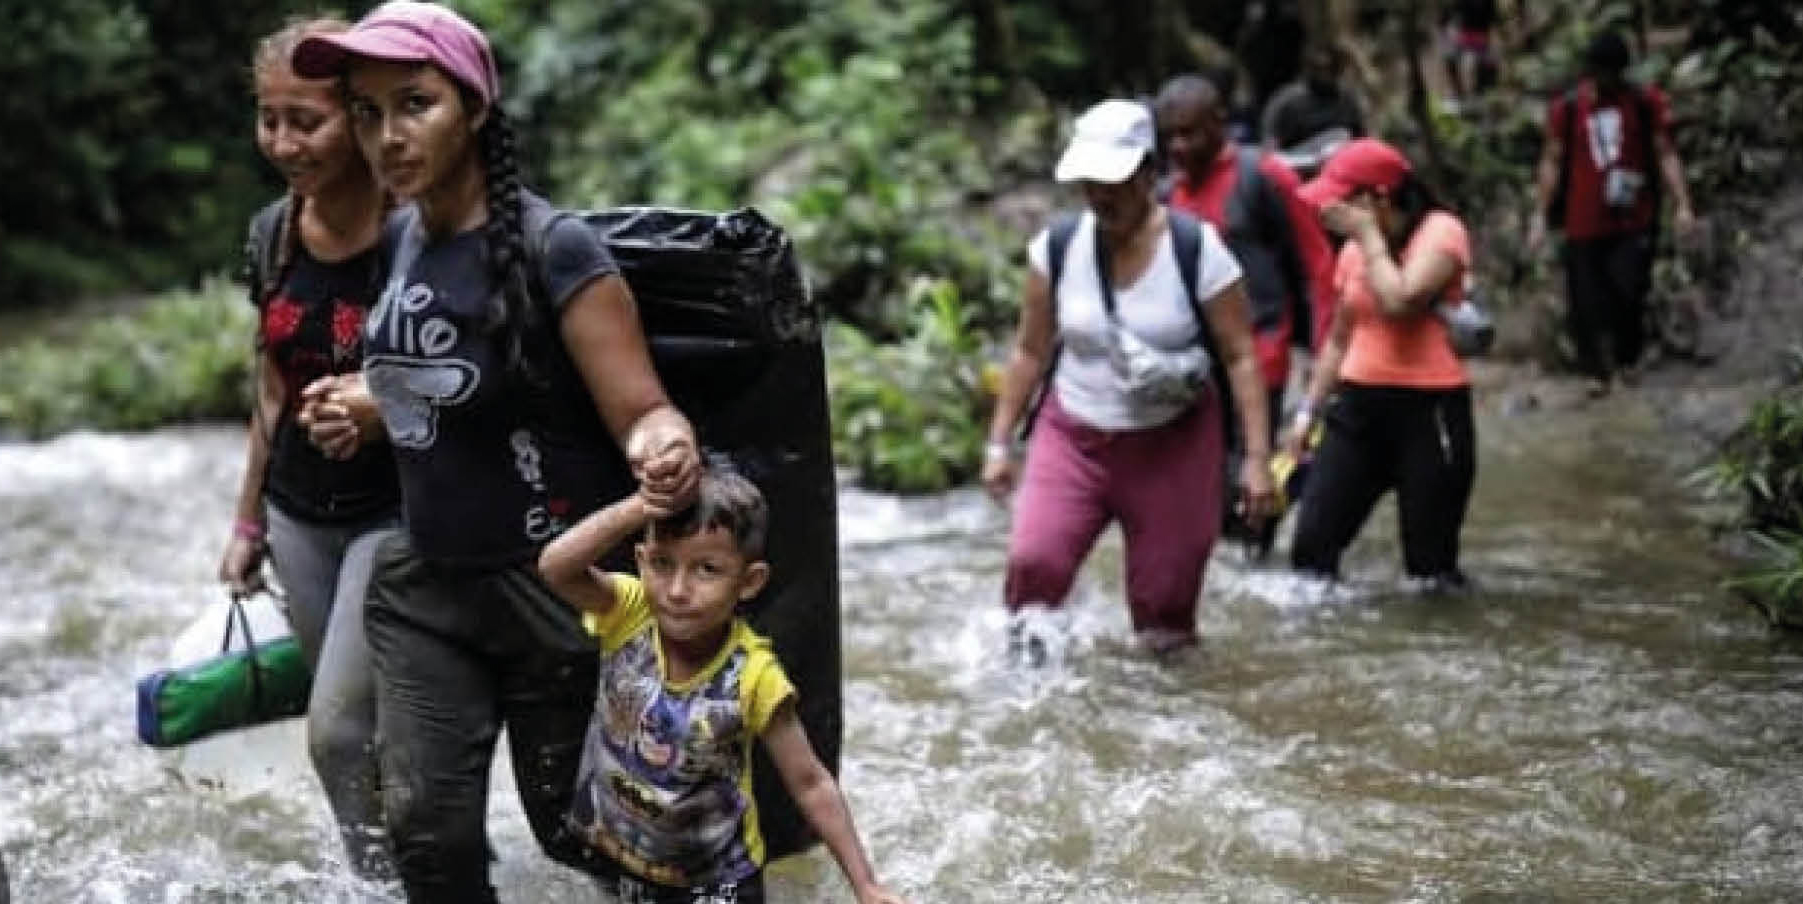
406	31
1364	163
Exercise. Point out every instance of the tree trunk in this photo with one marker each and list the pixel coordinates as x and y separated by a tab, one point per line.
1412	40
997	50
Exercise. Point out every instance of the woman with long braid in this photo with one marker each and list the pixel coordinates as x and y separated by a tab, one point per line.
314	276
500	377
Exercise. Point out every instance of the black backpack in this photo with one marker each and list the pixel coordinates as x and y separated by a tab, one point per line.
735	338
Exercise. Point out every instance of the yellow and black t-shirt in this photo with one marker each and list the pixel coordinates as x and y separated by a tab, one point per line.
665	782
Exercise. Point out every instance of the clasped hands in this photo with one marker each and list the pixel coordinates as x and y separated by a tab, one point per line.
340	415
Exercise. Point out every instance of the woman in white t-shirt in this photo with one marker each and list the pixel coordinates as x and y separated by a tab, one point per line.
1104	448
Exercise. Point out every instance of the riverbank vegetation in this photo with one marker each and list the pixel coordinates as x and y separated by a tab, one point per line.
1762	464
181	356
905	144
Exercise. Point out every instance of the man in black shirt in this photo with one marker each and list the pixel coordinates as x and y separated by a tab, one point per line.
1313	104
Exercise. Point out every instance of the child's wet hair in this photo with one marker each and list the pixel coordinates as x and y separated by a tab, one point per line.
728	501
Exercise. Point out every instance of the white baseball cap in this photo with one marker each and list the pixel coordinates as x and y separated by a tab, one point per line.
1111	140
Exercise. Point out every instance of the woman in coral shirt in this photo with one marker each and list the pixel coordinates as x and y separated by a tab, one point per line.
1400	412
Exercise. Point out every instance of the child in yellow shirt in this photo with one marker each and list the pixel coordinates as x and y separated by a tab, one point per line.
664	788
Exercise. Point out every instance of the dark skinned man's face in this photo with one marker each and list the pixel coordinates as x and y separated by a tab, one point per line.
1191	134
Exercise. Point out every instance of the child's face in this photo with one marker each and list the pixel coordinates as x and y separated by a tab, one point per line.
696	582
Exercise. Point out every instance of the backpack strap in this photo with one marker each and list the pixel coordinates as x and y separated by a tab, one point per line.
1259	201
1243	203
1058	241
268	229
1186	238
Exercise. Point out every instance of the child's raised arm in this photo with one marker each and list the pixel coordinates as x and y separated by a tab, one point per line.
567	562
817	794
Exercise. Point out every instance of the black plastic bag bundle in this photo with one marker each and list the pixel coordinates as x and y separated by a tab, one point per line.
735	338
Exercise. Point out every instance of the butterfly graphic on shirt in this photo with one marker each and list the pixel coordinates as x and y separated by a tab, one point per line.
414	389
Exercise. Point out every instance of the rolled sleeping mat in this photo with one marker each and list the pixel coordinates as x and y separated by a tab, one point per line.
735	338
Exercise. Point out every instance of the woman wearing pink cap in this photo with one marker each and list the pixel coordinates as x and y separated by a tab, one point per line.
1107	446
504	382
1400	409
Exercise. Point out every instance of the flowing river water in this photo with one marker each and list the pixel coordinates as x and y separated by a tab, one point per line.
1598	722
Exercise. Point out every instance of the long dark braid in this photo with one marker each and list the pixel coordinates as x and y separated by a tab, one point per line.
511	311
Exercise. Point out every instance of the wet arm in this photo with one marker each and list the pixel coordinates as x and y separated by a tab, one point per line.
1027	361
817	794
1403	290
1672	169
567	562
1327	370
601	331
265	408
1546	174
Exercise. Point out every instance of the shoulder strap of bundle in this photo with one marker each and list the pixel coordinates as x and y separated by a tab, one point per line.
536	221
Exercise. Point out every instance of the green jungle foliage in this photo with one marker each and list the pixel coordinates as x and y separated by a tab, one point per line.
128	160
908	415
1762	462
182	356
904	143
1735	84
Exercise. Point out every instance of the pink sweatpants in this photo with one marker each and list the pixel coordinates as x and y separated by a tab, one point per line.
1163	484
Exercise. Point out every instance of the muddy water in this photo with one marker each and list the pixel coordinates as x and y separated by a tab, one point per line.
1596	722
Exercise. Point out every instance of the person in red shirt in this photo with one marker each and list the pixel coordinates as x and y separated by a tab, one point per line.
1250	197
1603	137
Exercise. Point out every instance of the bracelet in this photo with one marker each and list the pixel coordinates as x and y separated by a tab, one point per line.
1305	414
994	449
249	529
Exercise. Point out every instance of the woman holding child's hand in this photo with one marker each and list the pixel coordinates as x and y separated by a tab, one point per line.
506	368
663	457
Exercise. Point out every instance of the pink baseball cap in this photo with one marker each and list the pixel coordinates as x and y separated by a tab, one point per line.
1365	163
406	31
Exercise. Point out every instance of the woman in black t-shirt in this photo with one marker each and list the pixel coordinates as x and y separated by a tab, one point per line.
505	376
314	270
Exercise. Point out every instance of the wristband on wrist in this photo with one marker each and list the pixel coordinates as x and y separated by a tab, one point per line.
249	529
1305	413
996	449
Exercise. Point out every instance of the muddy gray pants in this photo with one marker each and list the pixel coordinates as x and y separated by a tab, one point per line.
459	654
325	569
